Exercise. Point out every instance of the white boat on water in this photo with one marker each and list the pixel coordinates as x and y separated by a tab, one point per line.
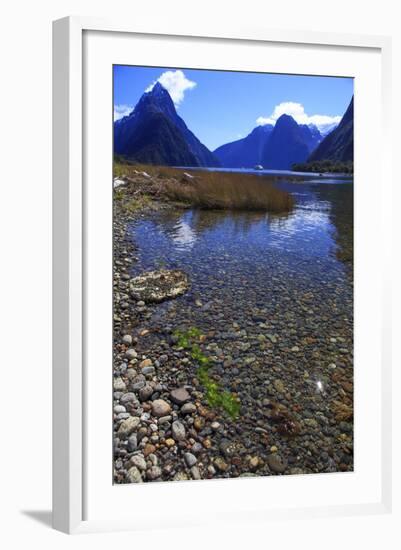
258	167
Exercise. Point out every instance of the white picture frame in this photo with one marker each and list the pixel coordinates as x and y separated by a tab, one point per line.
70	257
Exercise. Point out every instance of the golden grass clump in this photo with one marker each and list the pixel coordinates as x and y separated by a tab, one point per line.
209	190
231	191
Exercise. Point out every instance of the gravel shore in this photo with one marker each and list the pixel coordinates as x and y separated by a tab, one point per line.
288	361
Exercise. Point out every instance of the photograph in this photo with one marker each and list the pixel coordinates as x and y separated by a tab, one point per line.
204	352
233	223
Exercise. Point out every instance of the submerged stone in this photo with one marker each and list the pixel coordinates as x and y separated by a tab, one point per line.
157	286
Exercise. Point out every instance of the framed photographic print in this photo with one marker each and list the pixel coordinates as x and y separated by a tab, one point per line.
219	314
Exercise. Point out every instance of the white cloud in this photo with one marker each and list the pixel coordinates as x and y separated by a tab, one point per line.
176	83
122	110
263	120
297	111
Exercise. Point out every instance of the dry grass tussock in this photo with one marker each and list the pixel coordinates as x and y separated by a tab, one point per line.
209	190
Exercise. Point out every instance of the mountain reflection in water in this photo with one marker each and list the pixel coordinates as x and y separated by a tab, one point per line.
320	228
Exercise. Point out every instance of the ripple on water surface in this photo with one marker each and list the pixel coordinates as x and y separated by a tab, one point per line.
205	243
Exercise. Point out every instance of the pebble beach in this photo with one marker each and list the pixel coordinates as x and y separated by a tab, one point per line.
274	323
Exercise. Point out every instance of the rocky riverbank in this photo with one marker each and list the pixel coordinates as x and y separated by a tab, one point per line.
289	363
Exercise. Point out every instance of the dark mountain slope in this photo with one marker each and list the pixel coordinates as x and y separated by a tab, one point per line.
339	144
245	152
287	145
154	133
157	141
312	136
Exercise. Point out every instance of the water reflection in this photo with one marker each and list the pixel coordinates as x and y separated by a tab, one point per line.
273	295
342	217
336	198
183	234
316	237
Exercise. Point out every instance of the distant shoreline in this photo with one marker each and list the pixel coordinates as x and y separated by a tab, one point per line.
278	173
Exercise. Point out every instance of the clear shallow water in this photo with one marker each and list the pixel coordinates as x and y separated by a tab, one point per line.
314	239
273	296
292	272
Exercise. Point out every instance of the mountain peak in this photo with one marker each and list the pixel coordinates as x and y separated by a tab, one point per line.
157	99
286	120
155	134
158	93
158	89
287	145
245	152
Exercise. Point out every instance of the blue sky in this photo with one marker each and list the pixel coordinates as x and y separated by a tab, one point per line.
221	106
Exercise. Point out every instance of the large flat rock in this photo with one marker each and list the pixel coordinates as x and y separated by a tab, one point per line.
157	286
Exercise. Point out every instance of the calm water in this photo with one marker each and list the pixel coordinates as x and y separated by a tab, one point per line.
313	241
274	297
290	173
